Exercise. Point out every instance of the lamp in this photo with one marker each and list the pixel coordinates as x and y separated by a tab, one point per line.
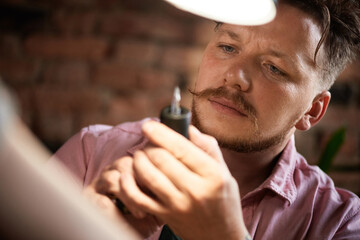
242	12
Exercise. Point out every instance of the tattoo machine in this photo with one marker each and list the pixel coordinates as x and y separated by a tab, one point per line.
175	116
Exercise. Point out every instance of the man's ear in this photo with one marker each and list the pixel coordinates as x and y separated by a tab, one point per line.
315	113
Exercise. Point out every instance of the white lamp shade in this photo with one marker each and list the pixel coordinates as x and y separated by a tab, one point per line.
242	12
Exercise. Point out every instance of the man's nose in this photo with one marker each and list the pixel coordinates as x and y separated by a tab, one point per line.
237	77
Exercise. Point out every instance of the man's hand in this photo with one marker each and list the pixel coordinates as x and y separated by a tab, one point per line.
193	190
105	191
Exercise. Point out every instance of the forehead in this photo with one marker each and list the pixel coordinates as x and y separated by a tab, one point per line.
293	32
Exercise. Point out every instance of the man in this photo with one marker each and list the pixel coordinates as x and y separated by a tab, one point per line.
256	86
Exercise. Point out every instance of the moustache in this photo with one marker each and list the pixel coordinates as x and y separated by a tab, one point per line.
235	97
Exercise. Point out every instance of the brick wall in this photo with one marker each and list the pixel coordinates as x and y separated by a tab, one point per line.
78	62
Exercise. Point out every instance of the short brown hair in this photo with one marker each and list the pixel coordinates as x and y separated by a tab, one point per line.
340	22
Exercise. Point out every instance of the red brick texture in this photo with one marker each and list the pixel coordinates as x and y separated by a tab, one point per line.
72	63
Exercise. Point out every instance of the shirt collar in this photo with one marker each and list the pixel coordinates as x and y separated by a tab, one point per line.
281	180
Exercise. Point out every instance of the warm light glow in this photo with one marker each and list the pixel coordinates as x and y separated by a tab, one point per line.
243	12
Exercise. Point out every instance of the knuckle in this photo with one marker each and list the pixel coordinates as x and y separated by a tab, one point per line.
137	202
221	183
181	209
152	181
108	181
212	140
199	195
122	164
157	155
126	191
131	203
180	151
111	176
182	206
212	188
226	184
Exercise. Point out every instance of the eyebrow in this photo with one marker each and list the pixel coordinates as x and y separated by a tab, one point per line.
280	55
231	34
272	52
287	58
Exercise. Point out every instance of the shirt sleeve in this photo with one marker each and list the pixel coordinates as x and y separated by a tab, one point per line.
73	156
351	227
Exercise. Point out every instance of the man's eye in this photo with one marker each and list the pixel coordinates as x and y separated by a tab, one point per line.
227	48
275	70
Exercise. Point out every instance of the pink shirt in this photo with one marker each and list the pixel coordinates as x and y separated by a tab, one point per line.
297	201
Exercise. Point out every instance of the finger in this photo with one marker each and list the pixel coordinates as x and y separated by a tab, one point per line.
100	200
136	200
206	142
123	164
108	182
103	202
175	171
155	180
113	187
179	146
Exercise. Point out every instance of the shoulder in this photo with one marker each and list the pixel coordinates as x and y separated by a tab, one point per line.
311	174
330	205
313	178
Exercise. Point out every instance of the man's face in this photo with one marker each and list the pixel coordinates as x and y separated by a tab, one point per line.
255	83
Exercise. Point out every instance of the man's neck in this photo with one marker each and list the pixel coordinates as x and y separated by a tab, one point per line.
252	169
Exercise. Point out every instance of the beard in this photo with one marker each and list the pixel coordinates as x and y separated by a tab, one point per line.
256	142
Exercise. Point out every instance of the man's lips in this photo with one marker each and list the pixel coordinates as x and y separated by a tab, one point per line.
227	106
